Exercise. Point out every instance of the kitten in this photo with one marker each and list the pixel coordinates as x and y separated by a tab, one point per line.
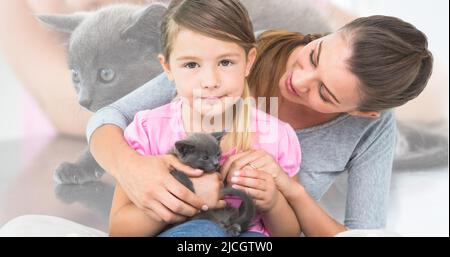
111	52
202	151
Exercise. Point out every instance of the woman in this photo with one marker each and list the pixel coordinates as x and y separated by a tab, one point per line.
336	91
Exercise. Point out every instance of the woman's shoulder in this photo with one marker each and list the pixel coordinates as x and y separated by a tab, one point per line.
352	124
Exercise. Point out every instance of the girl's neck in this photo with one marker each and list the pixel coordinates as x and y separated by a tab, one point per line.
301	117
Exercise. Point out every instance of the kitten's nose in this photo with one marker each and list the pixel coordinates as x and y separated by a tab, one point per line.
84	99
85	102
216	164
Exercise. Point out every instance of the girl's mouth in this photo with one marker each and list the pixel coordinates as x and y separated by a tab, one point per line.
211	99
289	86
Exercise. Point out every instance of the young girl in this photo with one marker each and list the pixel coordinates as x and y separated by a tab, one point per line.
208	50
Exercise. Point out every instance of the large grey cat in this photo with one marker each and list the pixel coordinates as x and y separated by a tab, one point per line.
112	51
202	151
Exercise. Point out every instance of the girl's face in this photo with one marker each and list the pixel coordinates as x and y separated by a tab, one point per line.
317	76
208	73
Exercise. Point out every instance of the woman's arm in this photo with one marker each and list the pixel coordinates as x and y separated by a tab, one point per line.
278	216
281	219
314	221
39	61
369	173
145	179
127	220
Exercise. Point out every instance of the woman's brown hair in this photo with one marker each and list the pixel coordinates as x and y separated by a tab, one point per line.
274	48
390	58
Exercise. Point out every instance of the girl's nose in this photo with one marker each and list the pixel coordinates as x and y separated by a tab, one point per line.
210	80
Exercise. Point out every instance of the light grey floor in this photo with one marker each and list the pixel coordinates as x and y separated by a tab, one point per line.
419	200
27	187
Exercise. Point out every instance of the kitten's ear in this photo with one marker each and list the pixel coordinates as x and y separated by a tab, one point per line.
65	24
184	147
146	24
218	135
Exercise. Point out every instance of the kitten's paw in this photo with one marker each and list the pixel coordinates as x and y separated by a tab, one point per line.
69	173
234	230
92	191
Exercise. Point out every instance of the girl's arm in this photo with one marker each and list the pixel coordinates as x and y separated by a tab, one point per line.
278	216
127	220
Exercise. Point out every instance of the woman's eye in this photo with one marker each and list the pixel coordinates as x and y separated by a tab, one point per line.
311	58
191	65
106	75
226	63
75	76
322	95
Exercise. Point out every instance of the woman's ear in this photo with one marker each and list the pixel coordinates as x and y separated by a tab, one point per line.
166	67
251	57
373	115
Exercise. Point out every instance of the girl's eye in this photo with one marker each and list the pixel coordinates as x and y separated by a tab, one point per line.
191	65
226	63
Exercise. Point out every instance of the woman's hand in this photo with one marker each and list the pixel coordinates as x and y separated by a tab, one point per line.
259	185
208	187
150	186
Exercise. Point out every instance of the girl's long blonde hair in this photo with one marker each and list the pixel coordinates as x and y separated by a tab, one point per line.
225	20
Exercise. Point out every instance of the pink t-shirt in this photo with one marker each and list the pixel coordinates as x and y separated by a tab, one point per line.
154	132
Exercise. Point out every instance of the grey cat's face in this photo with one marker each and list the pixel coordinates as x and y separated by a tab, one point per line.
200	151
111	51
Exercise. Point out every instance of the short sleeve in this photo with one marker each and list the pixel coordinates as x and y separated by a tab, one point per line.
137	134
289	151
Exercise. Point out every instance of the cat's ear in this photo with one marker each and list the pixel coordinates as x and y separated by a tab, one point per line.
64	24
146	24
184	147
218	135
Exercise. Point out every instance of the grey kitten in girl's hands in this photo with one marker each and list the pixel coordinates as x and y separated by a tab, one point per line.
202	151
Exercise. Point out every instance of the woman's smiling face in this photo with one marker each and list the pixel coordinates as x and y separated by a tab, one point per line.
318	77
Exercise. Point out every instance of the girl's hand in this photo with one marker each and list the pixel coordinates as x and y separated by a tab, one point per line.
260	160
259	185
238	161
208	187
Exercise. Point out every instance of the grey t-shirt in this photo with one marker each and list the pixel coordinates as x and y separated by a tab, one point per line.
362	147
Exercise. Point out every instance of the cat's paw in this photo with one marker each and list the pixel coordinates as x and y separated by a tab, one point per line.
234	230
69	173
